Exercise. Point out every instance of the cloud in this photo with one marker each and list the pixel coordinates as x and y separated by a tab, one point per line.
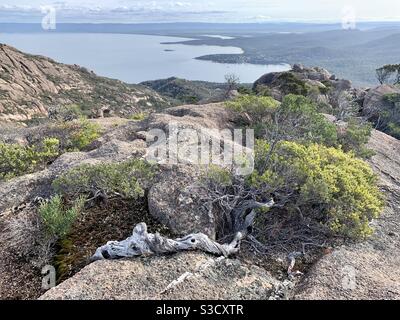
115	11
200	10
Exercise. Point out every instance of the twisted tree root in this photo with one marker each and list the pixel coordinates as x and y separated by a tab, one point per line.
143	243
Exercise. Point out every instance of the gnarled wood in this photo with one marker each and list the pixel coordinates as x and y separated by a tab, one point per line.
143	243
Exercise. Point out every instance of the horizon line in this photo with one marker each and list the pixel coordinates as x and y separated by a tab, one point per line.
219	23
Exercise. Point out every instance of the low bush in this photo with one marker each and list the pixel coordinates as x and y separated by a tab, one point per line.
386	116
245	90
56	218
32	234
72	135
127	180
290	84
295	119
67	113
219	176
255	108
355	136
325	184
17	160
85	135
139	116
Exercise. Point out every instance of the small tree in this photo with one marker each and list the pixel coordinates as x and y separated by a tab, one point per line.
58	219
382	75
332	192
389	73
232	83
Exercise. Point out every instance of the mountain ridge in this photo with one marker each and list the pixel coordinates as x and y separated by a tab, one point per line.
32	85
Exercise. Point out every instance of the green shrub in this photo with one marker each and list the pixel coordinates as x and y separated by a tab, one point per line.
56	218
295	119
67	113
356	135
245	90
386	117
392	97
298	119
127	180
218	175
17	160
190	99
255	108
290	84
87	133
394	129
139	116
72	135
264	91
325	184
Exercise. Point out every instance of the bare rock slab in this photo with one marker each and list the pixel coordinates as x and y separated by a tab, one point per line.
184	276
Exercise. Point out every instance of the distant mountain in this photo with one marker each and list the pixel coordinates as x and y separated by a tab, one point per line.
387	44
192	28
350	54
32	85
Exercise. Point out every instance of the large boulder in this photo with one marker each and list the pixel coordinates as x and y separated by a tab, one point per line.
299	71
184	276
375	102
173	202
298	81
172	199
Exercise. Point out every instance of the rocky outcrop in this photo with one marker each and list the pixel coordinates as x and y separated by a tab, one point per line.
316	83
185	276
31	86
367	270
315	76
375	100
363	270
170	199
173	203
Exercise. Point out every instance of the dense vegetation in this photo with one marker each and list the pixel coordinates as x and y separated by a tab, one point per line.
34	235
16	160
308	166
389	117
124	180
324	184
45	145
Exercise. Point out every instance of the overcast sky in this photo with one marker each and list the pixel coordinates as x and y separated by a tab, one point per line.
201	10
